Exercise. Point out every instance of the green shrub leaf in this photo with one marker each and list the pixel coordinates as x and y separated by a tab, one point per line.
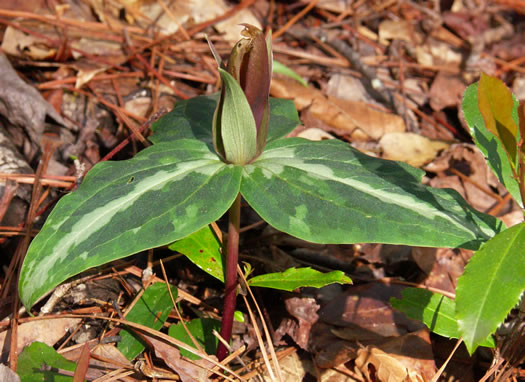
38	354
159	196
202	331
294	278
204	250
491	285
286	71
436	311
490	145
328	192
151	310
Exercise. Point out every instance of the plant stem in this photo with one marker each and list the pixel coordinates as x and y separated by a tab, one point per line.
232	258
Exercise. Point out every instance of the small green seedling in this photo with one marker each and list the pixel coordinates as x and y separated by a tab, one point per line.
211	150
494	278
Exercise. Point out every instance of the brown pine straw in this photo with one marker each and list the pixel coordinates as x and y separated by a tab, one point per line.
294	19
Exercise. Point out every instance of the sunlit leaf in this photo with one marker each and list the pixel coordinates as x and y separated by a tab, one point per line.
493	281
497	106
436	311
286	71
294	278
203	249
490	145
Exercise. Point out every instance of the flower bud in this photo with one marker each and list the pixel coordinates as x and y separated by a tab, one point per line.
240	122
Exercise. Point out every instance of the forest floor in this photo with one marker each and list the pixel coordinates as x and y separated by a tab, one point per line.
82	82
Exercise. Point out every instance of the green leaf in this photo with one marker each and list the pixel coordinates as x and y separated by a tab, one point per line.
328	192
161	195
496	105
286	71
294	278
151	310
436	311
204	250
283	118
39	356
489	145
201	329
192	119
491	285
234	127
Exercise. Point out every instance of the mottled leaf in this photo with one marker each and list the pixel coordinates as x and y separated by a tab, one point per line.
40	362
294	278
489	145
202	331
151	310
496	105
328	192
192	118
121	208
493	281
203	249
436	311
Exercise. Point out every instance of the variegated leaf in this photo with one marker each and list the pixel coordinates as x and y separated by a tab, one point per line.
192	119
328	192
159	196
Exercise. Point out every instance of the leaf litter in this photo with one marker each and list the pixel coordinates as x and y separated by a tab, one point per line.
103	72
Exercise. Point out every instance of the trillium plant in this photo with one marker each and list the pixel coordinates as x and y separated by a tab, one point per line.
208	153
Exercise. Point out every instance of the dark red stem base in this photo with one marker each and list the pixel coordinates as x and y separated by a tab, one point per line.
232	259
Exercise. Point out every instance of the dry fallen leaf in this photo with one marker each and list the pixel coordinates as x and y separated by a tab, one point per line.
187	371
446	90
403	359
315	134
358	120
47	331
411	148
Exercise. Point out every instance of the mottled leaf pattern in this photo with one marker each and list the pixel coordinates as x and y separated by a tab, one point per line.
327	192
159	196
192	119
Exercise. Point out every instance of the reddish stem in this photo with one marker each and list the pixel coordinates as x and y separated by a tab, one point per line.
232	258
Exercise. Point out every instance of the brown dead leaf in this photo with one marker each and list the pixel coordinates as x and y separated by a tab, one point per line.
367	306
19	44
315	134
442	266
187	371
105	358
46	331
411	148
398	30
438	53
446	90
304	309
356	119
403	359
463	168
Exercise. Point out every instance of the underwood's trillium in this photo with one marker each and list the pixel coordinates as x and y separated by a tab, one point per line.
240	122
